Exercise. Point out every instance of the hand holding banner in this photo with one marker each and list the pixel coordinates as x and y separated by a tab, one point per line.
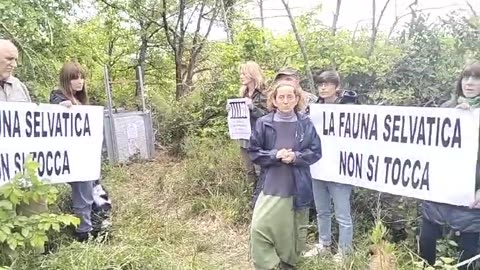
239	119
425	153
66	142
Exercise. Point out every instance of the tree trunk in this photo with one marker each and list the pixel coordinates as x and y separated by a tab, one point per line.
225	21
179	86
301	44
176	38
262	18
373	35
142	55
375	25
335	17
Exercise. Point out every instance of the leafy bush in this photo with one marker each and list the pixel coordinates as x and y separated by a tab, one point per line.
202	113
23	230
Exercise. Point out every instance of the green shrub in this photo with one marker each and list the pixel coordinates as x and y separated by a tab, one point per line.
20	229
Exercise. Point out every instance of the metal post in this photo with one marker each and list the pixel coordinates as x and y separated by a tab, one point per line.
113	134
140	84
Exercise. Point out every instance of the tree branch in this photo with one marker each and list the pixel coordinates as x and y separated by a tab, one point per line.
199	24
180	21
300	44
197	47
382	13
166	27
335	17
397	19
471	8
376	25
193	13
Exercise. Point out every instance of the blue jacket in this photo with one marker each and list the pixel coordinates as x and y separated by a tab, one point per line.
308	150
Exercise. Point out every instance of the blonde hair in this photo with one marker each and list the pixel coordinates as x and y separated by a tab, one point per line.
252	70
296	90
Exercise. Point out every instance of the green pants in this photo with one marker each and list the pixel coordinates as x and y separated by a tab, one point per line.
278	232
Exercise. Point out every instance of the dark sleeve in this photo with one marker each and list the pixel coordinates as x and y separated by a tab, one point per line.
449	104
349	97
260	107
313	152
257	153
56	96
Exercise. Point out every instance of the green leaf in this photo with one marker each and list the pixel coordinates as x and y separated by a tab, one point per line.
37	241
44	226
3	237
6	229
12	243
17	192
56	227
447	260
25	232
6	205
69	219
14	198
452	243
31	166
4	216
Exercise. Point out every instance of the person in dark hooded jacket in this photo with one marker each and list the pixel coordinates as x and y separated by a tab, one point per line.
464	221
284	143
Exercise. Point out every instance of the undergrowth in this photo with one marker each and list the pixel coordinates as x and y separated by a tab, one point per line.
193	213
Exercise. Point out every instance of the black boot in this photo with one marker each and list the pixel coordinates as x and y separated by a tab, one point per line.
81	236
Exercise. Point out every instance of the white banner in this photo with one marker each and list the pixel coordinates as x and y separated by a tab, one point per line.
239	119
425	153
66	142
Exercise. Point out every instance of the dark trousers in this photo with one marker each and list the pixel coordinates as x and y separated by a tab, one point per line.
253	173
430	232
82	200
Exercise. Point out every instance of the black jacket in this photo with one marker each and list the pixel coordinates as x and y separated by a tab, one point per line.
57	96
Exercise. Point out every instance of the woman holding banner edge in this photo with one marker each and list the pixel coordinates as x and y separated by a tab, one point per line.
253	89
72	91
464	221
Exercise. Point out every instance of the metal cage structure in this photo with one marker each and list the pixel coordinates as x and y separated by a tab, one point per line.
127	134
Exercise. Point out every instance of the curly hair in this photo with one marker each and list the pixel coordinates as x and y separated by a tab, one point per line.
299	93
